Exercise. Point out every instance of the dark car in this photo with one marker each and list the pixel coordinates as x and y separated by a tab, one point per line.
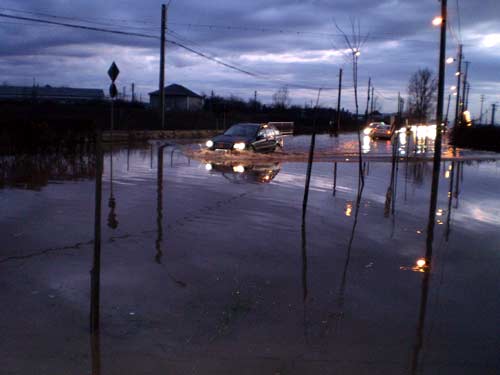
248	136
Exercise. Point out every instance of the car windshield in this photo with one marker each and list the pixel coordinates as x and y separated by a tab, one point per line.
242	130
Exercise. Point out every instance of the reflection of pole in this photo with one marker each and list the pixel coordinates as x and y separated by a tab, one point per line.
450	198
95	350
343	281
310	160
159	205
337	123
96	266
334	178
421	323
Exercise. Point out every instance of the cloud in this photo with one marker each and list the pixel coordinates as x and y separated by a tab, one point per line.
283	41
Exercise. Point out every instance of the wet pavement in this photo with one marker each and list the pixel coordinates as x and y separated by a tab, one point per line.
207	268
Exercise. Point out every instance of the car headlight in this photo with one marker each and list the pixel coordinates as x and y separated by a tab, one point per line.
239	169
240	146
209	143
366	131
208	167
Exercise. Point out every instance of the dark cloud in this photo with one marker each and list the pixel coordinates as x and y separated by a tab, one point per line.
285	41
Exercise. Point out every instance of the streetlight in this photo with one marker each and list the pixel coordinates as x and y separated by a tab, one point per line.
450	60
437	21
453	88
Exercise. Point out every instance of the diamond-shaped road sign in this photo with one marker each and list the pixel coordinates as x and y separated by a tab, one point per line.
113	72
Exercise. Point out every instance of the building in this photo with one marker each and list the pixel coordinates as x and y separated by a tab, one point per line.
48	93
177	98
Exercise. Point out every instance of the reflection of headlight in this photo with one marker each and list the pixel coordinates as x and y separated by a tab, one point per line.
208	167
238	169
366	131
239	146
209	144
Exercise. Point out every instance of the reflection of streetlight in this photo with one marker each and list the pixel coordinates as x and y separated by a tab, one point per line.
348	209
437	21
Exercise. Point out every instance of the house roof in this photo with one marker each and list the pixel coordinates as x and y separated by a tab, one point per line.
48	92
176	90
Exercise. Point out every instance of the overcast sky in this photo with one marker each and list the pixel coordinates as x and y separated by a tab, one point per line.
283	41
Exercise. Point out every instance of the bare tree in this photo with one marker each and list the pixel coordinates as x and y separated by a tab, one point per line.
422	89
281	98
354	43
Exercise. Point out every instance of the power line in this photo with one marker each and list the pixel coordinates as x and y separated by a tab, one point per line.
178	44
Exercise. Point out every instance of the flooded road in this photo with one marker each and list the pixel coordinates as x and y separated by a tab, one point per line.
207	268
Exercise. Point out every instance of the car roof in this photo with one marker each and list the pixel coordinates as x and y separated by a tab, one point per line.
246	124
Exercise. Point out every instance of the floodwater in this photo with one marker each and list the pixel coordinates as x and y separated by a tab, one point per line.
207	267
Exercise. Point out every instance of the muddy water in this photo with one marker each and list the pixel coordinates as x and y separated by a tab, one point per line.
209	270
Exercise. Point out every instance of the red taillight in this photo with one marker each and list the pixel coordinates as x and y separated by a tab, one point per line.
388	132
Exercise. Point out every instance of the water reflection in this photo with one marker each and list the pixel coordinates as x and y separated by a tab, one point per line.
32	172
95	353
159	205
245	172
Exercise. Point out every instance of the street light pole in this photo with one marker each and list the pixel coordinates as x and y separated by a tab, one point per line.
459	78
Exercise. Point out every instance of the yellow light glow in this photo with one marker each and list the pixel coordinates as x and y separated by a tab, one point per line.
467	117
439	212
239	169
437	21
421	263
450	167
447	174
348	209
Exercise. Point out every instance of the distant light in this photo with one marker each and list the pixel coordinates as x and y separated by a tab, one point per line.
421	263
447	174
450	60
208	167
357	53
437	21
454	94
209	143
457	74
453	88
467	117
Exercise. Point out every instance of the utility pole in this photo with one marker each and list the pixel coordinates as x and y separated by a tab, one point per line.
481	111
373	96
337	123
493	109
467	96
464	91
133	92
255	100
459	77
447	110
162	64
368	98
